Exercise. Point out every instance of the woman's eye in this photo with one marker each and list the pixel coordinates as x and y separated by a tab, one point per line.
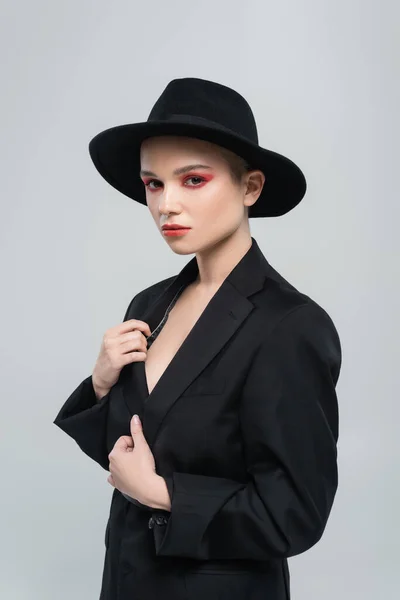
151	181
154	184
199	179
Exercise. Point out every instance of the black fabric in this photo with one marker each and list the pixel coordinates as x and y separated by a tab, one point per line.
243	426
150	340
85	420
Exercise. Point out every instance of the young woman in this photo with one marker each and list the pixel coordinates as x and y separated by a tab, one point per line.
231	466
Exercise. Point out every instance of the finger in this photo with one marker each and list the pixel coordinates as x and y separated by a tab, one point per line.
131	325
136	427
124	442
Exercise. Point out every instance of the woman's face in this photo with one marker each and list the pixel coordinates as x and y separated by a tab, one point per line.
188	182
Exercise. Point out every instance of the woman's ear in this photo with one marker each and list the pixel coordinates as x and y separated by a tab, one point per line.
254	184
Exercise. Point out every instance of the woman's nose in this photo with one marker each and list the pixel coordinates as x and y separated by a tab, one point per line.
168	198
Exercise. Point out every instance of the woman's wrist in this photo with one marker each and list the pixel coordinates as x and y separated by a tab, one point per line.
158	494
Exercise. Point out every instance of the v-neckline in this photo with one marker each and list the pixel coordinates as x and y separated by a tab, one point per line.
167	311
181	347
165	317
224	313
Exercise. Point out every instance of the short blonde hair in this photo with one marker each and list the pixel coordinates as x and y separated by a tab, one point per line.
238	166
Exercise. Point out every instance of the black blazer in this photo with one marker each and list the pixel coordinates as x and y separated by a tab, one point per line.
243	425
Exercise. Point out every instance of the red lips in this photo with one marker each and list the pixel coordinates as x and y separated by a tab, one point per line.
174	226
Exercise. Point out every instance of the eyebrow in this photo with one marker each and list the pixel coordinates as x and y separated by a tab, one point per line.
179	171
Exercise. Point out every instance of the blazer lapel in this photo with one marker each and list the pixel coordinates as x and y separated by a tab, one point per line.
224	314
132	380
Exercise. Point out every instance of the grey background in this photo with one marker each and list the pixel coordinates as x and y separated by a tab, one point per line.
322	79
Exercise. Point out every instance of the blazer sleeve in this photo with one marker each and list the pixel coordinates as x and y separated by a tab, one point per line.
84	418
289	422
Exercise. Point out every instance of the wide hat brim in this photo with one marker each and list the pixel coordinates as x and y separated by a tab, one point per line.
115	153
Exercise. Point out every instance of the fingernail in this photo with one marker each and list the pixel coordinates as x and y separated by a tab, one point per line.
136	419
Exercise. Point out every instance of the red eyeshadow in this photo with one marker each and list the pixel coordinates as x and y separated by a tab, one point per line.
206	178
185	177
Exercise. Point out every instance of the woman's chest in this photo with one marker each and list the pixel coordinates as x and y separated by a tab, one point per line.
195	427
171	332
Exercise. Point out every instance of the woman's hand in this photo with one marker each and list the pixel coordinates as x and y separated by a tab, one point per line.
125	343
132	466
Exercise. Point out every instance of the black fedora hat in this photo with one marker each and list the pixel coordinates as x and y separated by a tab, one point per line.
208	111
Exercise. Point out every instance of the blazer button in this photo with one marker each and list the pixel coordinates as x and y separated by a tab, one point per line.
151	522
